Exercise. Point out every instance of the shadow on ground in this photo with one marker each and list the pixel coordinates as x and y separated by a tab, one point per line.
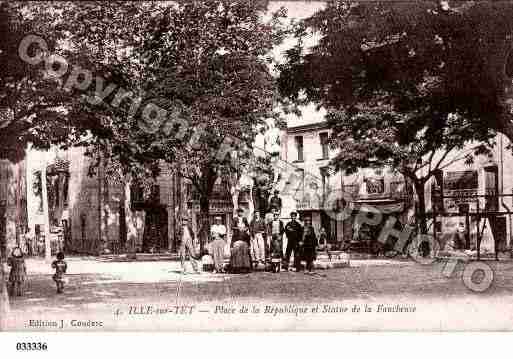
366	282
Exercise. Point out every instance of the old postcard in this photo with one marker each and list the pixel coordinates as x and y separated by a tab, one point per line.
255	165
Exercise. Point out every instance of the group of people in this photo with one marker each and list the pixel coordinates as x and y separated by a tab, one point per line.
254	243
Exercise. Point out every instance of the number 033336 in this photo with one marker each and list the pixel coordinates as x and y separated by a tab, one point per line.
31	346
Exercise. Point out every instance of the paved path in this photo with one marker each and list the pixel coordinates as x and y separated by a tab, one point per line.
100	288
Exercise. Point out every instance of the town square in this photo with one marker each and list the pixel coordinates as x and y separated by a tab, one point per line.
208	165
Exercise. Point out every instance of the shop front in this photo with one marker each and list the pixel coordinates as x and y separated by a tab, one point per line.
368	218
311	211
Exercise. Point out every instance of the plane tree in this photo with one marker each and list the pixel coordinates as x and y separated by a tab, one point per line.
210	62
400	84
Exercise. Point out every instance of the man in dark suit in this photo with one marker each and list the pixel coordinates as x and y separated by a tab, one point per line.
294	232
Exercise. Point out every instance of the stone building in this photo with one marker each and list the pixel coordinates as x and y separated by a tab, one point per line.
475	198
106	214
316	185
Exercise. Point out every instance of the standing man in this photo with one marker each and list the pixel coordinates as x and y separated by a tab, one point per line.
30	241
294	232
258	245
275	230
186	237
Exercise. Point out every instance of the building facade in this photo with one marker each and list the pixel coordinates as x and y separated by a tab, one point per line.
475	199
471	198
306	151
102	213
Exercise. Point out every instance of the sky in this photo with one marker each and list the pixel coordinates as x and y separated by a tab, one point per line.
298	10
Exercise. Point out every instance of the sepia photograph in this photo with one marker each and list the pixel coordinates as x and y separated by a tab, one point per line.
256	166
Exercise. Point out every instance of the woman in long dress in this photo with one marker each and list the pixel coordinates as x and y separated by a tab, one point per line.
308	247
218	233
240	260
18	273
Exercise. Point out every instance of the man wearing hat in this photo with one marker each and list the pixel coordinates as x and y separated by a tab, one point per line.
186	248
294	232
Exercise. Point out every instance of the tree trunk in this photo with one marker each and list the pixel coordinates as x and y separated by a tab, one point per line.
208	180
424	248
204	220
421	206
123	228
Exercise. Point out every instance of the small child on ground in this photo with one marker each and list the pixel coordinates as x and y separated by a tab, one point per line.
18	273
60	269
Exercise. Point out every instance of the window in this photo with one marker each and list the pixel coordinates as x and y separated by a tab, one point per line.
323	137
299	147
375	185
65	189
37	188
461	180
325	176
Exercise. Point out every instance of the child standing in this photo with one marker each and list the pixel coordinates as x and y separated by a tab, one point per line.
60	269
18	273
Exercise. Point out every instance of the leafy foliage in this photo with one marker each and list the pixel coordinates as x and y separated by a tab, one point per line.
405	85
30	104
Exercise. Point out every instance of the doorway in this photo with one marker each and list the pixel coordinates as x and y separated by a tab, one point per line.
155	237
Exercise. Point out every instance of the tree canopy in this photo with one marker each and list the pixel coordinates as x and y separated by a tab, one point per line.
30	105
404	85
434	58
